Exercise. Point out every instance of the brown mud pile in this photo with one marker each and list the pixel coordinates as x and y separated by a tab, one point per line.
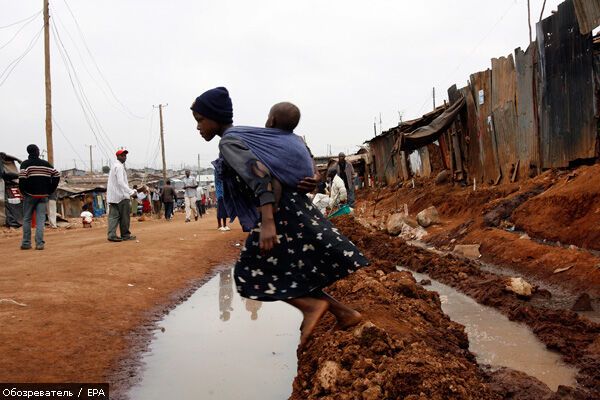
568	212
406	347
577	339
556	206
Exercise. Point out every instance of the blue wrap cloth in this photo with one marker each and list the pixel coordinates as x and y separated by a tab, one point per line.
283	153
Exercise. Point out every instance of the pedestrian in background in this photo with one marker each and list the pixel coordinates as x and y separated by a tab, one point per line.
168	196
52	210
191	195
156	202
221	211
37	180
118	196
134	204
346	172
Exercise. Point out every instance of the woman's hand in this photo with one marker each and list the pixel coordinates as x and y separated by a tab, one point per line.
268	232
309	184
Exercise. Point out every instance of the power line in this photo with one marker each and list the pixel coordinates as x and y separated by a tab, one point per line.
13	64
97	67
23	20
19	31
82	96
68	141
79	95
96	81
463	59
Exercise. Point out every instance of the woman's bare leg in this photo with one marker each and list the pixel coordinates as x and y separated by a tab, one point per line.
346	316
312	309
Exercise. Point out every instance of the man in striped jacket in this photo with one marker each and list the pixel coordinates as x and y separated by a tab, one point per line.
37	180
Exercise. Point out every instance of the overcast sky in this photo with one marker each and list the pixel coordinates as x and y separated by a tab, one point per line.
342	62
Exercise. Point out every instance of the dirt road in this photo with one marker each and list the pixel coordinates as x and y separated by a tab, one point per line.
86	305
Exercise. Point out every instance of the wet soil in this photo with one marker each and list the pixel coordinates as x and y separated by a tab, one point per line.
565	210
91	305
577	339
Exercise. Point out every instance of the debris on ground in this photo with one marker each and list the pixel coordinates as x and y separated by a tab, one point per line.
583	303
428	216
519	286
468	250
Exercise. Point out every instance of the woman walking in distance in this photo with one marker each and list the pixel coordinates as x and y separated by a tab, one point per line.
292	252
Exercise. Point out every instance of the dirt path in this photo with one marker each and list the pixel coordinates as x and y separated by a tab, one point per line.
89	302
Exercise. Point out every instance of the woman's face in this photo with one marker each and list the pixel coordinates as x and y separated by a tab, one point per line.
207	127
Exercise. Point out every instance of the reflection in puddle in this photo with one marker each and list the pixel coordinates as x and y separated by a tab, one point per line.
246	350
499	342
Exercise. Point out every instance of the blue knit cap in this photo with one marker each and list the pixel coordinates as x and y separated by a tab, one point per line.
215	104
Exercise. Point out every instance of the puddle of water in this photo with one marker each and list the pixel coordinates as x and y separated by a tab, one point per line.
560	300
217	345
499	342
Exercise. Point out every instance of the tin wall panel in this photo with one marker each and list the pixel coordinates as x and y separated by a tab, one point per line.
504	115
482	91
566	102
527	138
474	166
588	14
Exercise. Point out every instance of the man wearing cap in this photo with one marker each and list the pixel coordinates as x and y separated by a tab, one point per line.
346	172
118	194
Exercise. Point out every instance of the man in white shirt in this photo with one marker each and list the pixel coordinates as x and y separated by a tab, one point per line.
118	194
337	189
190	184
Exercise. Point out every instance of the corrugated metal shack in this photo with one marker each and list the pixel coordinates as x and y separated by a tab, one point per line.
534	110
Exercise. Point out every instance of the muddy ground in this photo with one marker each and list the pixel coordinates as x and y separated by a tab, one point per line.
576	338
558	210
89	305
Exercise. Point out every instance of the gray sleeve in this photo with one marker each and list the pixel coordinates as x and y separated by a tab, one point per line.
239	157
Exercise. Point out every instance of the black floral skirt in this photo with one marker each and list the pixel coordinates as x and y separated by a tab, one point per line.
311	254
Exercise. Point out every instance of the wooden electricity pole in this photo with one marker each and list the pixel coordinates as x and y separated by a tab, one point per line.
529	20
49	144
91	161
162	142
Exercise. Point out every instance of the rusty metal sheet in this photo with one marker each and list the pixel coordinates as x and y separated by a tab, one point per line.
566	89
473	163
588	14
386	165
527	133
504	115
482	91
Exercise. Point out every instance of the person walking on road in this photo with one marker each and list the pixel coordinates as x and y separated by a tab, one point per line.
168	196
190	184
346	172
292	252
156	206
37	181
118	196
221	211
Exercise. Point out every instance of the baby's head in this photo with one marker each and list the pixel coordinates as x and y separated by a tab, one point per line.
284	116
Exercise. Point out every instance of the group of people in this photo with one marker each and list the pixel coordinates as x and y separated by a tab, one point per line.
292	253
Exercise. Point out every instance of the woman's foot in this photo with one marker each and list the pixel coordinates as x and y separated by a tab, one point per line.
311	318
312	311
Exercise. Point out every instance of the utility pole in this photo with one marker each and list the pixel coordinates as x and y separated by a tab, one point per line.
75	162
380	129
434	98
198	166
91	161
529	19
162	141
49	145
375	126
